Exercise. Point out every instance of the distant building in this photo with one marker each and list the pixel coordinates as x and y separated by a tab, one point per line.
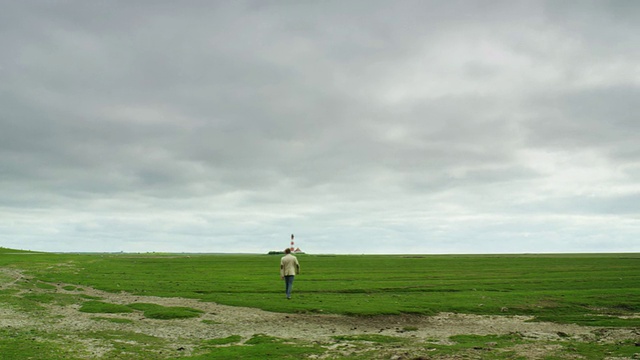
295	251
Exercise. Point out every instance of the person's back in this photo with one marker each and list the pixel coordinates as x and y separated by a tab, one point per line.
289	267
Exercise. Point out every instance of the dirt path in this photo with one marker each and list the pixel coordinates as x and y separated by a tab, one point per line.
222	321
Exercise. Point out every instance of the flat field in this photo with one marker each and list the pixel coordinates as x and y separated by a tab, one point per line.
159	306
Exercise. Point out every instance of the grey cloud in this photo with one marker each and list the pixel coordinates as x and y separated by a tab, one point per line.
377	122
593	117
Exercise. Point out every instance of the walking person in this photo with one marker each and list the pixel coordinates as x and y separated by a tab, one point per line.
289	267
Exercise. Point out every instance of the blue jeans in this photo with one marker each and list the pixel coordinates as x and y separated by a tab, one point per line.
288	284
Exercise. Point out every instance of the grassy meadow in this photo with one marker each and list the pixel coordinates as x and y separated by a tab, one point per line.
599	291
586	289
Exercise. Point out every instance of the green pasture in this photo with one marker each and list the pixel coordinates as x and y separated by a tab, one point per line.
586	289
600	290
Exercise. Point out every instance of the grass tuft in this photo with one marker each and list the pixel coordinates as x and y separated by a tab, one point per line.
224	341
103	307
154	311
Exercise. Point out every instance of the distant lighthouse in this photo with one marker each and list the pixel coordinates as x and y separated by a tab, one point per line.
292	246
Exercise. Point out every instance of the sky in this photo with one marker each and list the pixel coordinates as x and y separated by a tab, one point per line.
362	127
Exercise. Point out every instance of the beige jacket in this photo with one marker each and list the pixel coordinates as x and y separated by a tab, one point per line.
289	265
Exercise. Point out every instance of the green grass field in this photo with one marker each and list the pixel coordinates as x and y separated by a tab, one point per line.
593	289
596	291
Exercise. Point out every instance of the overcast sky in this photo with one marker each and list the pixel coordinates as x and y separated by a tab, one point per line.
359	126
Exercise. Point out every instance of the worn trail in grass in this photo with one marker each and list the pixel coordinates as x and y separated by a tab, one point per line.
99	334
156	306
594	289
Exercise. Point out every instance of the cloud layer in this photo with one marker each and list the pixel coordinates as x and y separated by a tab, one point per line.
362	127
